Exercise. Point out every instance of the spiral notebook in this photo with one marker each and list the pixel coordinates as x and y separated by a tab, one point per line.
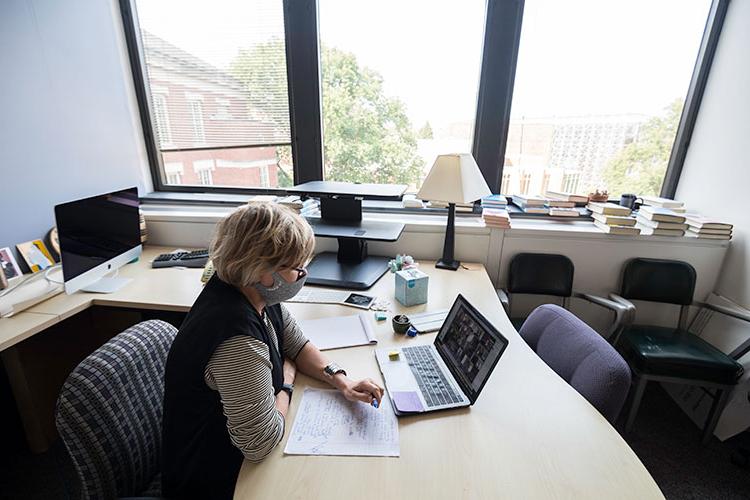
339	331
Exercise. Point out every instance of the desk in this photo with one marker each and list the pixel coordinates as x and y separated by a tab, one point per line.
529	435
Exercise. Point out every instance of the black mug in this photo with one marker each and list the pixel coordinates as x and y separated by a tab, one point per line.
630	201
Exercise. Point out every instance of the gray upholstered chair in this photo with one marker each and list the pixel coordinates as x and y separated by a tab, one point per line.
580	356
109	413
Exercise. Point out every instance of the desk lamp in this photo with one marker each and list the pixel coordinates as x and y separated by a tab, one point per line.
453	178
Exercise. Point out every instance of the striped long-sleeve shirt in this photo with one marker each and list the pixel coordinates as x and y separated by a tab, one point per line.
240	370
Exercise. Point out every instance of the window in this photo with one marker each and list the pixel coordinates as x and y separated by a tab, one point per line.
218	87
399	86
525	181
174	172
204	170
599	90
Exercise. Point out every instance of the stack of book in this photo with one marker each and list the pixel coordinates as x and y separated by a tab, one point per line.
497	201
531	204
561	208
579	200
307	207
613	219
460	207
707	228
496	217
656	201
658	221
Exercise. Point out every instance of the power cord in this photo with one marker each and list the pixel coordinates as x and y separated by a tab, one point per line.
31	278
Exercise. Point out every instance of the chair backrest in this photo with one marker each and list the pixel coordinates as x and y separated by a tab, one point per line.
658	280
541	273
580	356
110	408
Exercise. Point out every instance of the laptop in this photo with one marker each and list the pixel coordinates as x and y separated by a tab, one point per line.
449	373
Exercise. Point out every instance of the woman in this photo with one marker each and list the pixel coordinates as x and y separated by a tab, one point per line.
229	374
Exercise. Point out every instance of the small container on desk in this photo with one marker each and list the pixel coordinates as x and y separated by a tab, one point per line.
411	287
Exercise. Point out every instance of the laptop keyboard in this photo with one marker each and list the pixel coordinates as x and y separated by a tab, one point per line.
431	380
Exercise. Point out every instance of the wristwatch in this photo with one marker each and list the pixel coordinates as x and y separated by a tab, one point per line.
289	389
332	369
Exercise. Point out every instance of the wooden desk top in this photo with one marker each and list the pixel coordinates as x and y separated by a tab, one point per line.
529	435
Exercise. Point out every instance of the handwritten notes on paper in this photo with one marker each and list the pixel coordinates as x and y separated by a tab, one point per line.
328	424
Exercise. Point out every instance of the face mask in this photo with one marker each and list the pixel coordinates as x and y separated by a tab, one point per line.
281	289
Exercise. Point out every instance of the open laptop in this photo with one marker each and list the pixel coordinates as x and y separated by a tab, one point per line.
449	373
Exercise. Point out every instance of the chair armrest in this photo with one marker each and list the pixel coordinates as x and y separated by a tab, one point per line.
504	300
723	310
624	312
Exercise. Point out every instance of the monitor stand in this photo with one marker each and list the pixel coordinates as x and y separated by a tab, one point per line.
106	285
350	268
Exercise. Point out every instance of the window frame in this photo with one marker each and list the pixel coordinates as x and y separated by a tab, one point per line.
501	41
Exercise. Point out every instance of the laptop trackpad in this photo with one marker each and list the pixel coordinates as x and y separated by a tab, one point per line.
407	401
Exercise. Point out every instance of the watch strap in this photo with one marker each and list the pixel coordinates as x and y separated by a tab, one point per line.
332	369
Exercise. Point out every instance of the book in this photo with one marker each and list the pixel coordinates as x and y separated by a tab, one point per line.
560	204
660	214
626	230
655	231
496	217
700	222
704	236
563	212
494	201
535	210
657	224
614	220
523	201
460	207
561	195
606	208
709	231
339	331
657	201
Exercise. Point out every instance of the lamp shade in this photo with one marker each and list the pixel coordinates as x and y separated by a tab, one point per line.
454	178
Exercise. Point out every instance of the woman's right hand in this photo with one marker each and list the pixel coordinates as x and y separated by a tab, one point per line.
290	371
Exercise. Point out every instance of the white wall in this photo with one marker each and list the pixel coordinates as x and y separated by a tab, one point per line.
716	175
67	123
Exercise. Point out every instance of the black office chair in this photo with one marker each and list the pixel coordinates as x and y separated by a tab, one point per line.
667	354
537	274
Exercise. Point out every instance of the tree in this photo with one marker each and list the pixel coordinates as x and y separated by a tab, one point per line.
368	136
640	166
425	132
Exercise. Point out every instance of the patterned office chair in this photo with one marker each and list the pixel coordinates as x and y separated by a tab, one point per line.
109	413
537	274
580	356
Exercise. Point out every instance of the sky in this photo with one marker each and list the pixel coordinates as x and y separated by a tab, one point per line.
576	57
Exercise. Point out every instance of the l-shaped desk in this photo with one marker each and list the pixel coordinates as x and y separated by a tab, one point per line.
529	435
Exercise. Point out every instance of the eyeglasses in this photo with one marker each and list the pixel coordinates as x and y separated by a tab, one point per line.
301	272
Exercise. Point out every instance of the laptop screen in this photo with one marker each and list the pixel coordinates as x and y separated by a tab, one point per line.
470	346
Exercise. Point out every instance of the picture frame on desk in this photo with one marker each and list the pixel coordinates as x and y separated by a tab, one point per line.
8	263
36	255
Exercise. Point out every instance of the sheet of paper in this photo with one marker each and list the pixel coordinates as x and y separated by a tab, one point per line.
339	331
328	424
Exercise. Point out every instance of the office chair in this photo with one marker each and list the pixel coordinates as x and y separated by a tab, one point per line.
577	353
537	274
109	413
667	354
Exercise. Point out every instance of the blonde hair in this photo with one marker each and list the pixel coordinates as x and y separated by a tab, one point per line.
258	238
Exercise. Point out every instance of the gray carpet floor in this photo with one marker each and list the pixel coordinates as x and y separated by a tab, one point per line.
667	442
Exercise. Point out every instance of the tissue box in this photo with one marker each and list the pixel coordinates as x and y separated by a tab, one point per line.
411	287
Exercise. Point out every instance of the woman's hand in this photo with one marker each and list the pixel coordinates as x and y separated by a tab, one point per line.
365	390
290	371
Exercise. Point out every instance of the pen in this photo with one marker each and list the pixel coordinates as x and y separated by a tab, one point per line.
374	402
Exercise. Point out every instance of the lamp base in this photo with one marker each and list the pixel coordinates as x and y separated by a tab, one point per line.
451	265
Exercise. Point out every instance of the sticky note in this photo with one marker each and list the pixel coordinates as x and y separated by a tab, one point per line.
407	401
393	355
380	316
411	332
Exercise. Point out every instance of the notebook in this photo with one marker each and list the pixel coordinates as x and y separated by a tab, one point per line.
339	331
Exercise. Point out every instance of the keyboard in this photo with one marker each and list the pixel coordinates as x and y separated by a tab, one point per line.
435	388
197	258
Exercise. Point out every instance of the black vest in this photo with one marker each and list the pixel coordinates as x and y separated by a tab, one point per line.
198	457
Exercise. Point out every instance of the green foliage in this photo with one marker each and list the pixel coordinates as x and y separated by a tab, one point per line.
425	132
640	166
368	137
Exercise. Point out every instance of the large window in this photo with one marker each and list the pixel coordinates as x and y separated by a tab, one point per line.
599	90
399	85
216	78
571	95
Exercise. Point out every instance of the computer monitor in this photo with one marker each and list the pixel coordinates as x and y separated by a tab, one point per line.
98	235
